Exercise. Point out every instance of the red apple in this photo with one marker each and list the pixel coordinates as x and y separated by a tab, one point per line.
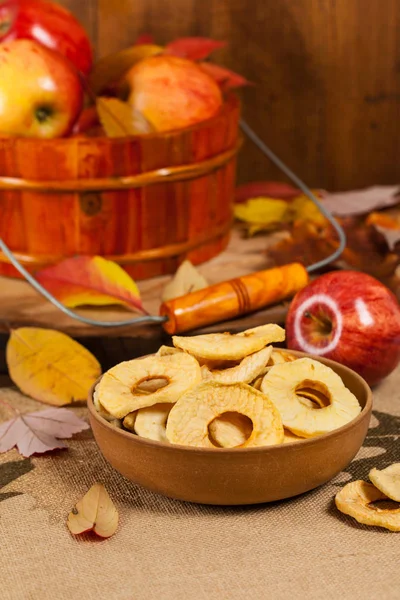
349	317
51	25
172	92
40	93
8	15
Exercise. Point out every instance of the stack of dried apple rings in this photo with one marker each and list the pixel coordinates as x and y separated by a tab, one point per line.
360	499
225	391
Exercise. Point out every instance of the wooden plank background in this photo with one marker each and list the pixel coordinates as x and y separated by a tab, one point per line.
326	74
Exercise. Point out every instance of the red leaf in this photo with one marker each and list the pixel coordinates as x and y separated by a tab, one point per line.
194	48
224	77
38	432
144	38
268	189
87	120
90	280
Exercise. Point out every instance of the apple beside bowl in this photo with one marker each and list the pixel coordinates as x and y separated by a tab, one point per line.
237	476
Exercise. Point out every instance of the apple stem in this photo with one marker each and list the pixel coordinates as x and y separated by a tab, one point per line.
324	325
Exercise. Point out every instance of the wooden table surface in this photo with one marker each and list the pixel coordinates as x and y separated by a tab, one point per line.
21	305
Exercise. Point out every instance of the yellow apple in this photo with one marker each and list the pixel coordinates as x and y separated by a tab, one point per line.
40	93
172	92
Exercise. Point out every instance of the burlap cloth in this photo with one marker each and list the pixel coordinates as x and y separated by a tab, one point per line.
169	550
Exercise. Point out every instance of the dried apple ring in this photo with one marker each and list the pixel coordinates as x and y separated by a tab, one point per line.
290	437
226	346
167	351
116	389
246	371
283	384
387	481
230	430
149	422
356	499
277	357
190	418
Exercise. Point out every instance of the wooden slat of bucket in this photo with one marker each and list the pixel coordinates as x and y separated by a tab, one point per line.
125	221
12	215
44	162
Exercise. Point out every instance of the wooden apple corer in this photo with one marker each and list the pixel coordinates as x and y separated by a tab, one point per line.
224	300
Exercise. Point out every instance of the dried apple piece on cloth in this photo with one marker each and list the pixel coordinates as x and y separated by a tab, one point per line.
95	511
387	481
357	499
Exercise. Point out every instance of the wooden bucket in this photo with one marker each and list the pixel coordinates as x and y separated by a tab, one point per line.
146	202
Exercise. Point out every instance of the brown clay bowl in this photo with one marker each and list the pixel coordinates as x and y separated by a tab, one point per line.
237	476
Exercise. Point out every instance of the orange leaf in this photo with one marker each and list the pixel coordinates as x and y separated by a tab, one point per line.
194	48
95	511
382	220
225	78
90	280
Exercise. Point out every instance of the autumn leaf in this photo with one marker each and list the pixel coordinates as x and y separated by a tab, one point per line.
359	202
119	119
144	38
383	220
39	432
50	366
193	48
387	226
95	511
225	78
90	280
391	236
266	214
306	243
261	214
186	279
309	243
269	189
113	66
303	208
88	119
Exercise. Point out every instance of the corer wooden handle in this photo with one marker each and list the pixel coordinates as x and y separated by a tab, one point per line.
229	299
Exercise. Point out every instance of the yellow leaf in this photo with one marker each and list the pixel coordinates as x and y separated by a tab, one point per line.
50	366
95	511
303	208
112	67
119	119
261	211
186	279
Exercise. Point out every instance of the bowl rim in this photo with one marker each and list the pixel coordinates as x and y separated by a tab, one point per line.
307	442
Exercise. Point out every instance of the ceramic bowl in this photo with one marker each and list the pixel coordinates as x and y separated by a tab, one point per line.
237	476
